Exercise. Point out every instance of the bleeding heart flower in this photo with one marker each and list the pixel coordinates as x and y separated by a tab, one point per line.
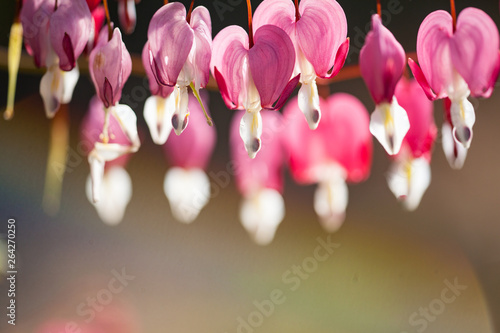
56	36
110	66
109	187
454	150
382	62
339	150
260	180
318	30
253	77
456	62
180	49
127	15
410	172
186	185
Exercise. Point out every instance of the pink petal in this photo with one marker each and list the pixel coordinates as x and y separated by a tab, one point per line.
280	13
271	59
474	49
110	61
194	147
321	30
154	87
266	169
221	83
202	27
70	27
342	137
339	59
422	134
36	32
433	50
420	77
229	55
127	15
290	87
381	61
170	39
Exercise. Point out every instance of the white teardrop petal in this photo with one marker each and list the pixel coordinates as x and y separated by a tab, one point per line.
463	118
128	122
251	131
330	202
69	81
96	173
389	124
454	151
408	180
158	114
261	213
188	191
180	116
51	90
309	103
115	193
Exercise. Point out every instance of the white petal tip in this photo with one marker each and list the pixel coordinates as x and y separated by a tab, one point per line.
330	202
261	213
251	131
389	124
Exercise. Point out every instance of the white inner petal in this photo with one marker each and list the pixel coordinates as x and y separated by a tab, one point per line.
408	180
158	114
251	131
454	151
188	191
69	80
115	193
389	123
462	118
309	103
180	116
331	198
261	213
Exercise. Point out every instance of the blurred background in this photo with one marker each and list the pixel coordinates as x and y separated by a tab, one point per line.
154	274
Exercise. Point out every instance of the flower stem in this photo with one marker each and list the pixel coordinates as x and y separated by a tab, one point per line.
453	14
188	17
195	92
108	19
379	9
165	2
250	29
297	14
55	5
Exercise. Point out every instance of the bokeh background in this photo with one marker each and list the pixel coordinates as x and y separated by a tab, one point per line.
205	277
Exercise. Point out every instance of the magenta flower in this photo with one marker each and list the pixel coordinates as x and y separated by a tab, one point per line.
159	108
110	66
111	191
318	30
410	173
260	180
338	151
253	77
180	52
382	62
456	62
56	37
186	184
127	15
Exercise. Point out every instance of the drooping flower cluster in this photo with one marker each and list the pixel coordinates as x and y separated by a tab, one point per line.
256	72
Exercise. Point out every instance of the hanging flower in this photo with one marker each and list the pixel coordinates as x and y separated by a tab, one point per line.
180	48
338	151
458	61
56	36
382	62
127	15
454	150
410	172
260	180
114	189
318	31
186	184
110	66
253	76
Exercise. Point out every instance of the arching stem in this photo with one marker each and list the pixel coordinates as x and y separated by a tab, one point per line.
108	19
250	29
453	14
379	9
188	17
297	14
